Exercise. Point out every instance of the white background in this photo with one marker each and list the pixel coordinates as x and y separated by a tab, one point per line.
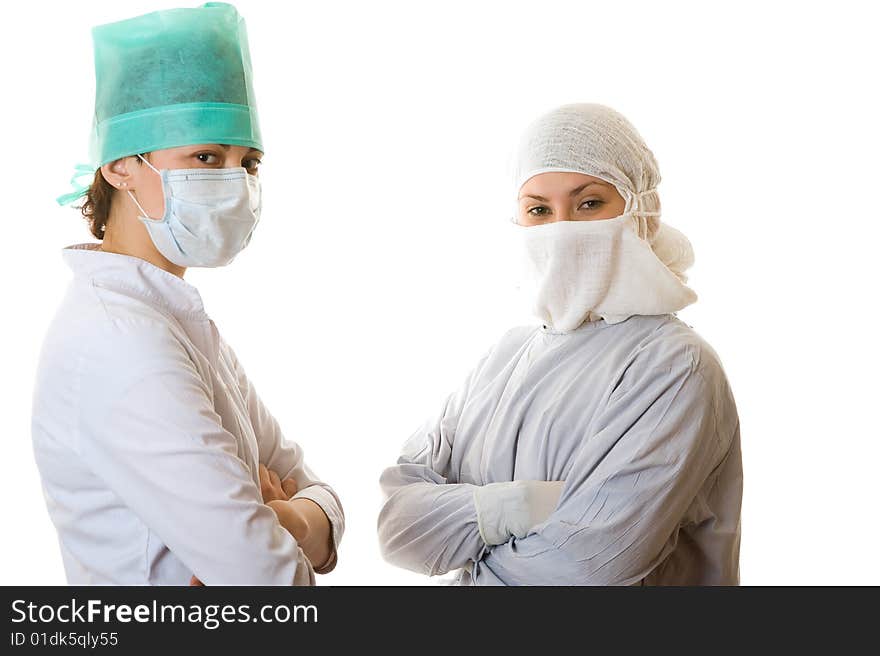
382	267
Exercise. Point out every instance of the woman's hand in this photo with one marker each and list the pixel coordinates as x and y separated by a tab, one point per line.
306	521
273	488
291	518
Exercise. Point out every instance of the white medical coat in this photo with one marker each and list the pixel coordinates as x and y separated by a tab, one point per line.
636	417
148	436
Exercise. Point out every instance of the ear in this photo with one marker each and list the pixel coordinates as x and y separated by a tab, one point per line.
117	173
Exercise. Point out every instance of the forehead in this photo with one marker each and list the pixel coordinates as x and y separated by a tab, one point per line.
560	182
209	146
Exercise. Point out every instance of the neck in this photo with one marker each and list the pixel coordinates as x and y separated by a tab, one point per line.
126	235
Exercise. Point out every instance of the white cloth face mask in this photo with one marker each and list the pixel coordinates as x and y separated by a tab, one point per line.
210	215
585	270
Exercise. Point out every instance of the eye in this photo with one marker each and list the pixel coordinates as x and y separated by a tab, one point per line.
591	204
539	210
252	164
205	158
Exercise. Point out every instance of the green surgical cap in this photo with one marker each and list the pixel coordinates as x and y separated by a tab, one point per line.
171	78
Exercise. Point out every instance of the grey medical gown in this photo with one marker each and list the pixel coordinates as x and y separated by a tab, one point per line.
639	421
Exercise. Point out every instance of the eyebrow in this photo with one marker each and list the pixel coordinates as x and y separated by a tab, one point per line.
573	192
252	150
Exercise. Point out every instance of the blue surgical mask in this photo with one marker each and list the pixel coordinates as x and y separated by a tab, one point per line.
210	215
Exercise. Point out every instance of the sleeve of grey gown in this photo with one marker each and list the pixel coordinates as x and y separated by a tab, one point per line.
428	522
663	432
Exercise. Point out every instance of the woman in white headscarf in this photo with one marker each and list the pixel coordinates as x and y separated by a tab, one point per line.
602	446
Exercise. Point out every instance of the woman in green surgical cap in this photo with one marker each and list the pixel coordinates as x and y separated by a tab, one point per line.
159	462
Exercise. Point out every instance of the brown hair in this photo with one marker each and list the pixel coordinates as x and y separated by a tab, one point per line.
96	208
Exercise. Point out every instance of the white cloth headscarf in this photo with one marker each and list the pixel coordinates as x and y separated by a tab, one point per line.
596	140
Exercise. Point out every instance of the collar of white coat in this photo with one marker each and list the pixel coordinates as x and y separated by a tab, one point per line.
132	275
